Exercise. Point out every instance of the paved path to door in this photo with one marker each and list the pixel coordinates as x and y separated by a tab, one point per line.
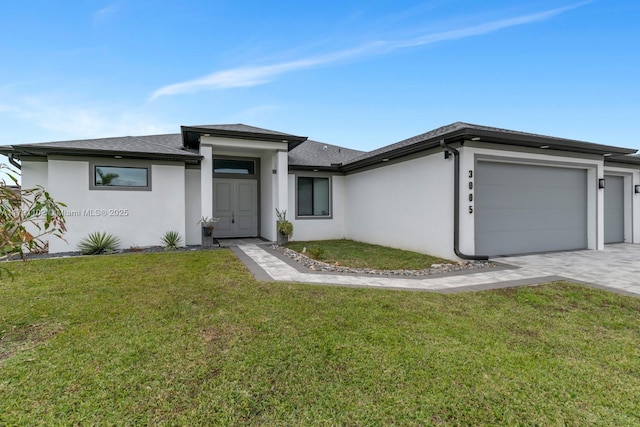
617	268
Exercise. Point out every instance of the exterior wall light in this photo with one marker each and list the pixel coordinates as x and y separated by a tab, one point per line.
601	183
637	189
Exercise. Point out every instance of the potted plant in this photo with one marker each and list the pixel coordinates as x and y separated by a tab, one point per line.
208	224
284	227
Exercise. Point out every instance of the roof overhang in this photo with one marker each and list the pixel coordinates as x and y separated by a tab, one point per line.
495	137
627	160
191	136
544	142
39	151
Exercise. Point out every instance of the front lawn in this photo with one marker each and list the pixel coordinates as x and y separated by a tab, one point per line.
349	253
191	338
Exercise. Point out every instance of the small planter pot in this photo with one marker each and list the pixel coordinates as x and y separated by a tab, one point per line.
207	237
282	239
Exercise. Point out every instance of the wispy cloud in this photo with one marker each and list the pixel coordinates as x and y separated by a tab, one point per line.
63	121
105	13
257	75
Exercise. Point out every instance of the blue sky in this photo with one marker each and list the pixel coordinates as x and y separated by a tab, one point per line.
361	74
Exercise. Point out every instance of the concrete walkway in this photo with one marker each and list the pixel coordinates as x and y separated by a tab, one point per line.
617	269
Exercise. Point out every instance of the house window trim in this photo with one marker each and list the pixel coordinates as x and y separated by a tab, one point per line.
312	217
236	175
109	164
256	168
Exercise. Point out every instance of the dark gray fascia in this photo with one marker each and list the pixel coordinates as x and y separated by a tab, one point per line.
466	134
627	160
34	150
538	141
191	136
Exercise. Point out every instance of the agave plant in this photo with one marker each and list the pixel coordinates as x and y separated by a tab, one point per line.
99	243
171	240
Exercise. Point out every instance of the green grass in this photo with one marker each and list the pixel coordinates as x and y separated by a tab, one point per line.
190	338
364	255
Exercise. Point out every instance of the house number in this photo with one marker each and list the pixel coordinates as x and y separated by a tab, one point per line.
470	209
470	174
471	197
471	186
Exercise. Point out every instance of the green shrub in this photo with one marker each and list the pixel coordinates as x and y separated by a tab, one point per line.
171	240
316	253
99	243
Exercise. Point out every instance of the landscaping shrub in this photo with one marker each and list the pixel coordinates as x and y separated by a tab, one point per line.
99	243
171	240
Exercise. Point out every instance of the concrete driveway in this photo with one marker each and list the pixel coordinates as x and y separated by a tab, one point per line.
616	267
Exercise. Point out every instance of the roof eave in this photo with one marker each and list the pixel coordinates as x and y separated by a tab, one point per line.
504	138
292	140
627	160
540	141
34	150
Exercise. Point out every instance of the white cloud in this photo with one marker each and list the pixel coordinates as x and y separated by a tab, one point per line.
8	109
63	121
105	13
258	75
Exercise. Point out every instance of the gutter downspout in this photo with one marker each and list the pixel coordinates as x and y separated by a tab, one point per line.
456	206
13	162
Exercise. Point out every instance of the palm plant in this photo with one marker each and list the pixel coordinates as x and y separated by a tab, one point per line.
171	240
99	243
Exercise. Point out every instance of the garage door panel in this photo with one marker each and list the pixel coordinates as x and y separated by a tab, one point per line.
511	220
529	198
511	242
614	209
529	208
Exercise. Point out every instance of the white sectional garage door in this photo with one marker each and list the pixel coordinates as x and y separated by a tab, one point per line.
613	209
529	208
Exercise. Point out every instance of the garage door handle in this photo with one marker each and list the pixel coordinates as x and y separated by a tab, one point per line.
233	217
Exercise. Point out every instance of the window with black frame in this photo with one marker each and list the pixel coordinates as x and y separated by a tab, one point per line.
234	166
313	197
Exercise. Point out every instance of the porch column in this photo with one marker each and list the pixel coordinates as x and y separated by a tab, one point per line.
206	181
282	173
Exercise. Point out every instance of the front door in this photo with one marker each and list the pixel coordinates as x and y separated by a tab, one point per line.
235	203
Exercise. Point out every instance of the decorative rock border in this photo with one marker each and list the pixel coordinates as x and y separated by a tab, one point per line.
314	265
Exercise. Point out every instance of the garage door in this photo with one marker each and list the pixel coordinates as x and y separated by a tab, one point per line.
613	209
528	208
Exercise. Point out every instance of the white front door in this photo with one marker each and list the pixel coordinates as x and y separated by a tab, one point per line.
235	203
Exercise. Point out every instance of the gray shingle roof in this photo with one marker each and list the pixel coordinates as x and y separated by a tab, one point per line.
318	154
488	134
312	153
191	134
239	127
409	141
158	146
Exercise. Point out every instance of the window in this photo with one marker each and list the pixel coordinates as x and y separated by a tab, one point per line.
313	196
233	166
116	176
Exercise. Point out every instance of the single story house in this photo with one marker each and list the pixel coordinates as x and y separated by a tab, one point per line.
459	191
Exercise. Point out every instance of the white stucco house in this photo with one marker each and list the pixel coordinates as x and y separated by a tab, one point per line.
459	191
